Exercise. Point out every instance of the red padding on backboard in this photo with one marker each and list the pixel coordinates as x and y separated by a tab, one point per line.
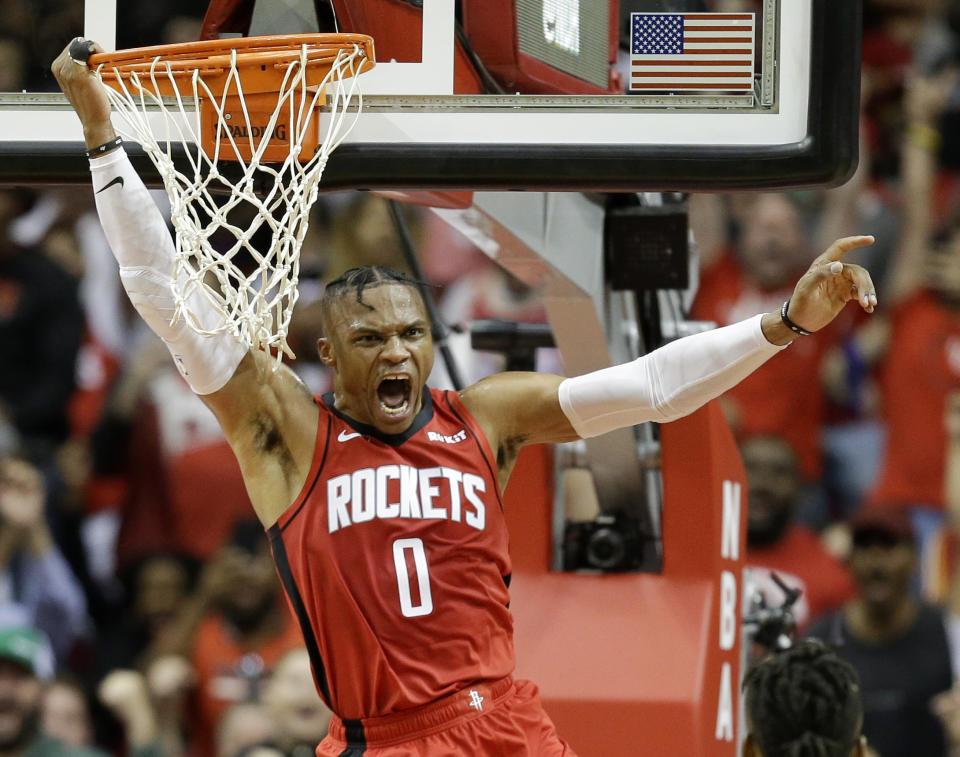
536	77
397	30
227	16
395	25
491	27
398	26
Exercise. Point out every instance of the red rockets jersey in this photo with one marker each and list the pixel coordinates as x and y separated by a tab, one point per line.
394	559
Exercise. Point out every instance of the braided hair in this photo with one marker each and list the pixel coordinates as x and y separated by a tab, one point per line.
804	702
366	277
361	278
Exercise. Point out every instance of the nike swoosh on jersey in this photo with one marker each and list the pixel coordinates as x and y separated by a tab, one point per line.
114	180
343	436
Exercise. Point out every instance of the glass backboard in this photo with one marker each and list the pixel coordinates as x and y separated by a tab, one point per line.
602	120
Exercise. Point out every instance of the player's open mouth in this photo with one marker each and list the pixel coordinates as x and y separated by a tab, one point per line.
394	394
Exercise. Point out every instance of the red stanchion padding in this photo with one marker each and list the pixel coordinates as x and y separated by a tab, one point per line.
640	663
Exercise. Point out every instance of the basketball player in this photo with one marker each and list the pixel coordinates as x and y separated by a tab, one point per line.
382	499
804	702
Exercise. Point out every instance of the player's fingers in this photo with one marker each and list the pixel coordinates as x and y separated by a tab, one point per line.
77	52
58	63
842	246
66	66
81	49
857	278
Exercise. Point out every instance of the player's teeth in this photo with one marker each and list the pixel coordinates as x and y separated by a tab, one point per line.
395	410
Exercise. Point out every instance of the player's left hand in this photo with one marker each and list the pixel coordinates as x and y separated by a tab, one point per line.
829	284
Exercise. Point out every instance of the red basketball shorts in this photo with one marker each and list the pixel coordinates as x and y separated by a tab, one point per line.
500	719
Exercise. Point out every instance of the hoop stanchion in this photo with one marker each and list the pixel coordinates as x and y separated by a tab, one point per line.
277	107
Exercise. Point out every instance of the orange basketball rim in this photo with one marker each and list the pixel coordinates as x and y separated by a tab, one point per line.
239	84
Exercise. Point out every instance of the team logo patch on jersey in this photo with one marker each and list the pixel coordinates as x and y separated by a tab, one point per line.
458	437
476	701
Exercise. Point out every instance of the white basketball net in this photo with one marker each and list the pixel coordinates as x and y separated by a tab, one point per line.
256	302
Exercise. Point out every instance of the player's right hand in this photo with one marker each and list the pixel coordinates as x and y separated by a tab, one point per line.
86	94
829	284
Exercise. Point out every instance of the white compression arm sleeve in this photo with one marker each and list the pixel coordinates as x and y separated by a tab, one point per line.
143	247
668	383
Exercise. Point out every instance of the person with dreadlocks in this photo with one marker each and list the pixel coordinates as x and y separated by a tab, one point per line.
382	499
803	702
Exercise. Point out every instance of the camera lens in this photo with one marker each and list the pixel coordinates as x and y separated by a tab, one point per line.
606	549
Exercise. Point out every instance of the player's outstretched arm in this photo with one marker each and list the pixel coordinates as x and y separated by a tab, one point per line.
139	239
668	383
255	403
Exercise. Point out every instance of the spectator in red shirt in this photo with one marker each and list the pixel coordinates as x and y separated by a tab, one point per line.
760	273
777	543
168	458
233	631
918	344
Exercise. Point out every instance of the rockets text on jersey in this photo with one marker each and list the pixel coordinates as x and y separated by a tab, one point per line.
402	491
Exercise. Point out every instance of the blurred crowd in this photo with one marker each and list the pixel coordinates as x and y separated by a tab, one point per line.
850	438
139	609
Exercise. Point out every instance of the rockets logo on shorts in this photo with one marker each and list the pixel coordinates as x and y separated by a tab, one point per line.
402	491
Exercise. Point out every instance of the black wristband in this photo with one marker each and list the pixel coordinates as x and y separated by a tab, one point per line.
790	324
105	147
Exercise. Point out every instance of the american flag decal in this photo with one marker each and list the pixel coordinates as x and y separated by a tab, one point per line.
691	51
